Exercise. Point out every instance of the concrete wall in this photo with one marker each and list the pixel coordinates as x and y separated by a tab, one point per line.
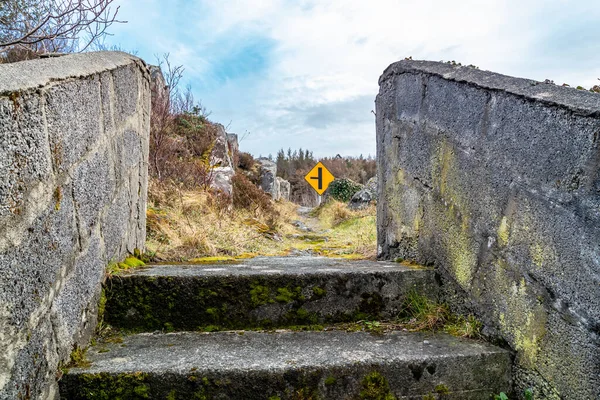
496	181
73	161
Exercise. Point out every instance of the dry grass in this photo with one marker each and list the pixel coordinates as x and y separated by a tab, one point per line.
422	314
197	225
188	224
350	234
339	232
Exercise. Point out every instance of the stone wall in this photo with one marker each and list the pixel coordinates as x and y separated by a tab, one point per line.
73	161
496	181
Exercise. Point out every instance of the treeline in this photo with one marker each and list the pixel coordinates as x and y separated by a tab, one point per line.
299	162
293	165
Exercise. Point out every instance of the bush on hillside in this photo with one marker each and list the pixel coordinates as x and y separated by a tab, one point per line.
248	196
246	161
343	189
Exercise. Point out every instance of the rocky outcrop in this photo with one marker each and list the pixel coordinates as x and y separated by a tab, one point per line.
223	156
365	196
268	177
277	187
74	168
306	198
234	148
496	181
284	189
158	85
221	180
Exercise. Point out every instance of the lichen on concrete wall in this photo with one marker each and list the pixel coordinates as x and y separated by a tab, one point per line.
73	160
496	181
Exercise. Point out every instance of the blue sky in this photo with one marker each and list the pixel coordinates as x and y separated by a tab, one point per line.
304	73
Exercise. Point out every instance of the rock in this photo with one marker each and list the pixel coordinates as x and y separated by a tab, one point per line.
234	147
268	178
307	198
221	156
222	179
284	189
365	196
301	225
158	85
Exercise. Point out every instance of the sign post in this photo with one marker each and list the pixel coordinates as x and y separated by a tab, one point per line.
319	178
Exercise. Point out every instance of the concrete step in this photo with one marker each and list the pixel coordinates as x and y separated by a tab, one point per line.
290	365
261	293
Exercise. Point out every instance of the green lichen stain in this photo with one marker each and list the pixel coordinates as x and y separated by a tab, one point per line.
330	380
522	319
442	389
503	232
318	292
453	216
131	262
172	395
101	306
542	254
375	387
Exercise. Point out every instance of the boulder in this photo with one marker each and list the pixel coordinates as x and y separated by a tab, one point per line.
268	177
222	160
222	179
365	196
234	147
284	189
158	85
221	156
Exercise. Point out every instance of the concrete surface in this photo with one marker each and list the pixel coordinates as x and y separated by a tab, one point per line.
262	293
73	161
327	365
496	181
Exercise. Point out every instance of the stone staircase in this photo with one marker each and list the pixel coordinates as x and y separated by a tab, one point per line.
258	329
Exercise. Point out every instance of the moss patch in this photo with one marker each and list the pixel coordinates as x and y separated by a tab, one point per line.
375	386
105	386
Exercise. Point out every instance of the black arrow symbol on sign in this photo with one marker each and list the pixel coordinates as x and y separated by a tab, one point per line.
319	177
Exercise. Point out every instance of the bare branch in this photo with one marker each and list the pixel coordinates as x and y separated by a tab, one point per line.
54	25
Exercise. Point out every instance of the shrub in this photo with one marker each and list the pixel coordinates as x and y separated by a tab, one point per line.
343	189
246	161
248	196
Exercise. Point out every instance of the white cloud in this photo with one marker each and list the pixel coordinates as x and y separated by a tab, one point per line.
329	54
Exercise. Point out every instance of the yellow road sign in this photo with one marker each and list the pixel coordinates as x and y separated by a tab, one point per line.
319	178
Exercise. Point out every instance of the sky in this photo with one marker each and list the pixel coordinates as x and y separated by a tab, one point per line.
304	73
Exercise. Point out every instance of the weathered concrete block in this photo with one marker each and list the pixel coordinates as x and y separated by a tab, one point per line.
496	180
74	134
262	292
292	365
73	125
